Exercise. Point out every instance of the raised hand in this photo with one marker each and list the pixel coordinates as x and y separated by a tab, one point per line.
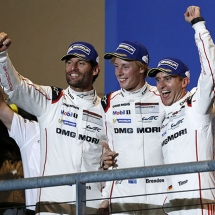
4	41
191	13
109	157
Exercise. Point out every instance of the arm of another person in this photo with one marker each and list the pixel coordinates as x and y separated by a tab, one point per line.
6	114
31	97
205	88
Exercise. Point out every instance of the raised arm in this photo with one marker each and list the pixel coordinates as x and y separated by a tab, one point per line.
206	48
27	95
4	42
6	114
191	13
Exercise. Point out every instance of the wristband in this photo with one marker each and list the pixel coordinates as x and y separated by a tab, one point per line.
198	19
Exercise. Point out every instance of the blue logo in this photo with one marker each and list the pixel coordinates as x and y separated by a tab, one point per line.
123	120
132	181
69	123
174	125
150	118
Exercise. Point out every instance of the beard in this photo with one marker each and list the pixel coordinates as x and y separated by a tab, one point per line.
81	81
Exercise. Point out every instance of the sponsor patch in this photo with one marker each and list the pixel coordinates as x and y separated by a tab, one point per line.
168	62
146	108
92	117
69	105
93	128
123	120
123	130
124	46
175	125
66	122
149	119
81	47
174	136
69	114
122	112
65	132
88	139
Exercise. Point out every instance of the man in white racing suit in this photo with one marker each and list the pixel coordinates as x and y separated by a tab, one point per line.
133	118
187	130
27	136
71	125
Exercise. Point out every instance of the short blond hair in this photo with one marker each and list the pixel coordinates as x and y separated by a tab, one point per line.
138	63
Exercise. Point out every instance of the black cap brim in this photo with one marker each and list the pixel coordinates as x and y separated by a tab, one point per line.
114	54
70	56
154	71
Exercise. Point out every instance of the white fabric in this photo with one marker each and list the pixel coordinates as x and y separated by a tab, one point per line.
133	126
187	134
71	129
27	136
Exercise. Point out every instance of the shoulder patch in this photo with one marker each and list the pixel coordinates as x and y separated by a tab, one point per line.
105	102
56	94
189	100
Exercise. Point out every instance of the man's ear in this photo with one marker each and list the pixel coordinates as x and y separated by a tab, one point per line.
144	69
96	70
185	82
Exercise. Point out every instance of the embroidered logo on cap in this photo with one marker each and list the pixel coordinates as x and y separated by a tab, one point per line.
80	47
170	63
130	49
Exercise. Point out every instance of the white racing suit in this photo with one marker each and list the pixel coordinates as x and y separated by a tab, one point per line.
133	128
71	129
27	136
187	134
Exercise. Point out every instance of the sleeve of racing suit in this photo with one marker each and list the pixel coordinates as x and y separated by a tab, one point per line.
23	130
108	185
205	88
31	97
105	102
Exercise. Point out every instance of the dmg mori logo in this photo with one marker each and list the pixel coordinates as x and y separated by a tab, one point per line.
123	130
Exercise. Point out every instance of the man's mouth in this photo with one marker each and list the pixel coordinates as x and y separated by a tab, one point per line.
165	93
122	79
73	74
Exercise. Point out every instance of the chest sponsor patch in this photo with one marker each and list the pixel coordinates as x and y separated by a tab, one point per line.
146	108
92	117
149	119
122	120
66	122
174	136
122	112
176	114
69	114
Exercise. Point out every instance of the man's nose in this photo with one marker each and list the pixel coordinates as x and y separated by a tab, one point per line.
73	66
161	84
119	71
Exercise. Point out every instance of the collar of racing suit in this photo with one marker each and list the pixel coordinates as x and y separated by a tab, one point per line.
177	104
137	93
88	98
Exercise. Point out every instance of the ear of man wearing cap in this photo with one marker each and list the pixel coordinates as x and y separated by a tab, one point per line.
81	65
172	77
131	64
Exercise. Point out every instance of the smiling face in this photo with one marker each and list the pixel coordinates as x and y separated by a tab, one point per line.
79	74
171	88
129	75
